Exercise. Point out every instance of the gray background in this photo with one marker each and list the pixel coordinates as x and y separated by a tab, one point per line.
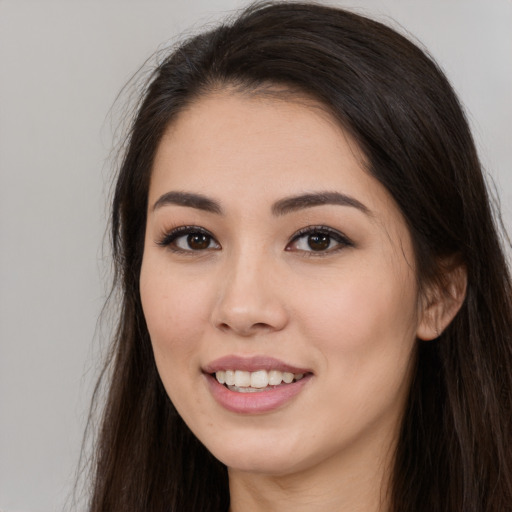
62	65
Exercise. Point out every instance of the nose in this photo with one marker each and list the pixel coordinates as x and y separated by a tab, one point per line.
250	299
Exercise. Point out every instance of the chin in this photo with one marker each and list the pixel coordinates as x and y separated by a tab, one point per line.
259	454
277	465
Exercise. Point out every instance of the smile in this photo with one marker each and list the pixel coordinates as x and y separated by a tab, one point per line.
255	385
250	382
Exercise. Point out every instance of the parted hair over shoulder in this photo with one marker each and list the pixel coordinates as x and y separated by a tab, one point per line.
454	452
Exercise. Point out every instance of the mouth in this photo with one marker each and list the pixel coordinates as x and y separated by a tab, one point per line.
253	385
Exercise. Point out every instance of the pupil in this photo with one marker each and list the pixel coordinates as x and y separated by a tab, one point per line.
198	241
319	242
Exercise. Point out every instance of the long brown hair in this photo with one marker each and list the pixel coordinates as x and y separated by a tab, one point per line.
455	448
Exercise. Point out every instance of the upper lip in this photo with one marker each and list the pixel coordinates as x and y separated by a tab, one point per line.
251	364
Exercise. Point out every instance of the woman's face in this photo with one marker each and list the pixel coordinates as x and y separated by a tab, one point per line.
271	255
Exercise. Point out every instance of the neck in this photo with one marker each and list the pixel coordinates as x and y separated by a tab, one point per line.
357	483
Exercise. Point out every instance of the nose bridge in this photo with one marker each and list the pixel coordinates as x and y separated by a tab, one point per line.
248	301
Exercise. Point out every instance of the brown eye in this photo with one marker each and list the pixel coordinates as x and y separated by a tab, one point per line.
319	241
198	241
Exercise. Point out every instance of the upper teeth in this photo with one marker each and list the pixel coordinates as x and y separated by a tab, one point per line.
259	379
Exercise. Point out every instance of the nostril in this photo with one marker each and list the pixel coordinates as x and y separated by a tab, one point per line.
244	330
261	325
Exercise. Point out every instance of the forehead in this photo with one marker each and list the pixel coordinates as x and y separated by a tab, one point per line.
236	136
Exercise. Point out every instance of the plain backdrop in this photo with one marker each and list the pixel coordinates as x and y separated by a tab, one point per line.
62	65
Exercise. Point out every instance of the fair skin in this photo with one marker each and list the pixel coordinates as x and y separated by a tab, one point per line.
229	279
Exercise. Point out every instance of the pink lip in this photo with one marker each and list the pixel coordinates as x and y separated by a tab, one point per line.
251	364
258	402
255	403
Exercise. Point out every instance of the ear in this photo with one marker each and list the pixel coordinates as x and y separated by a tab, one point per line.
442	301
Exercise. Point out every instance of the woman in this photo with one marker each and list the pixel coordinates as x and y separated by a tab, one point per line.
316	310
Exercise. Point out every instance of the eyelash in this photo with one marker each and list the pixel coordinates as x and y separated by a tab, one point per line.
169	238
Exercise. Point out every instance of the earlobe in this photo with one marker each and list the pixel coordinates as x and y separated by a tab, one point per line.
442	302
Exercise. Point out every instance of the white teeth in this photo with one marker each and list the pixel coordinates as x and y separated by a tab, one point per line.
287	377
245	381
242	379
275	378
230	377
244	390
259	379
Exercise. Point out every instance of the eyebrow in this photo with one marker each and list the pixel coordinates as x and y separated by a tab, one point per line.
292	204
189	199
281	207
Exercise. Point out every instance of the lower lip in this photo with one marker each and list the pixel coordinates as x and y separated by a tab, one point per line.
257	402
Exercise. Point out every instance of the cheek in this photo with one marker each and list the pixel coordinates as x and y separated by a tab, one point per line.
363	332
175	314
364	327
360	308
